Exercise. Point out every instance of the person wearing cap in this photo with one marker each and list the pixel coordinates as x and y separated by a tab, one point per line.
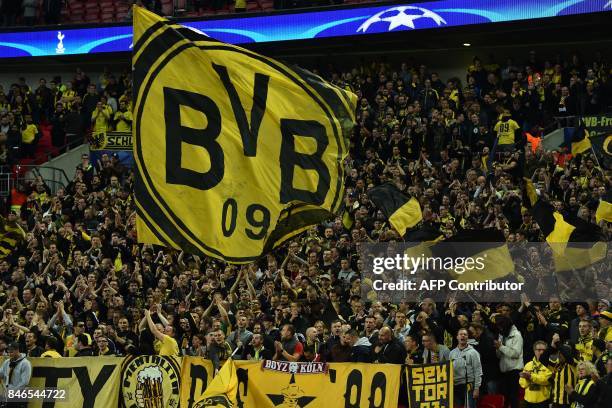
16	371
325	283
605	321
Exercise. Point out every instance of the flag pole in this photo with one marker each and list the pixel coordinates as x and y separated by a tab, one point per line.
596	159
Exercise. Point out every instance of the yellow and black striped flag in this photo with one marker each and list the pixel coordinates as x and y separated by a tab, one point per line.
403	212
487	247
235	152
576	243
11	235
425	233
579	141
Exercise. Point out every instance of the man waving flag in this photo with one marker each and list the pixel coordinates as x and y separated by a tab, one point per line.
235	152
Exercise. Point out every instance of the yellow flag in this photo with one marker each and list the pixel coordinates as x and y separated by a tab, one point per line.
221	392
235	152
560	235
604	211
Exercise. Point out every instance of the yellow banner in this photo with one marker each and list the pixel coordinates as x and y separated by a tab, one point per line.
111	141
82	382
339	385
430	385
150	382
196	374
160	382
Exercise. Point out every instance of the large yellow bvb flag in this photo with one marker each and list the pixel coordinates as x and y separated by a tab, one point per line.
235	152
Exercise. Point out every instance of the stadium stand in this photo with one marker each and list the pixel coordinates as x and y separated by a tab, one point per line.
77	268
117	11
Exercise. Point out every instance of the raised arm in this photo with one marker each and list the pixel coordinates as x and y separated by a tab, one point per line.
158	334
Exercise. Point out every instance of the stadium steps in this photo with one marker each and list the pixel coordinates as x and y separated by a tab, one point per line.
44	150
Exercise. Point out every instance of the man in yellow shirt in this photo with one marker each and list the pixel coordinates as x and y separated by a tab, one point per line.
506	129
584	345
123	118
605	322
165	344
70	346
51	346
535	379
29	137
100	119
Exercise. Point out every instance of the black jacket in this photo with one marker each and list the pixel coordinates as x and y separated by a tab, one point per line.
361	352
391	353
586	399
604	386
88	352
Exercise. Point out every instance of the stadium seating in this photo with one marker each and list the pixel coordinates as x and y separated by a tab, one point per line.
116	11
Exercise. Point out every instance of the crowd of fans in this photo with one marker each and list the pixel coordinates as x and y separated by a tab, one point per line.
78	284
70	110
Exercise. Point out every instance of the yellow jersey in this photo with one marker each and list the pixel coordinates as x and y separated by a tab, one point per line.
584	348
51	353
166	347
505	131
123	121
538	388
101	120
29	134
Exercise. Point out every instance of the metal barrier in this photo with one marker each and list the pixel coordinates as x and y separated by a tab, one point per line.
53	177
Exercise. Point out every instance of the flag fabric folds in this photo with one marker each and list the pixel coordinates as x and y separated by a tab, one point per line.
235	152
575	243
602	146
11	235
423	234
531	194
580	142
421	240
403	212
487	245
221	392
604	209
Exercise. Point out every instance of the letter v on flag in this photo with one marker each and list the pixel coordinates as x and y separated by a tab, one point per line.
235	152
